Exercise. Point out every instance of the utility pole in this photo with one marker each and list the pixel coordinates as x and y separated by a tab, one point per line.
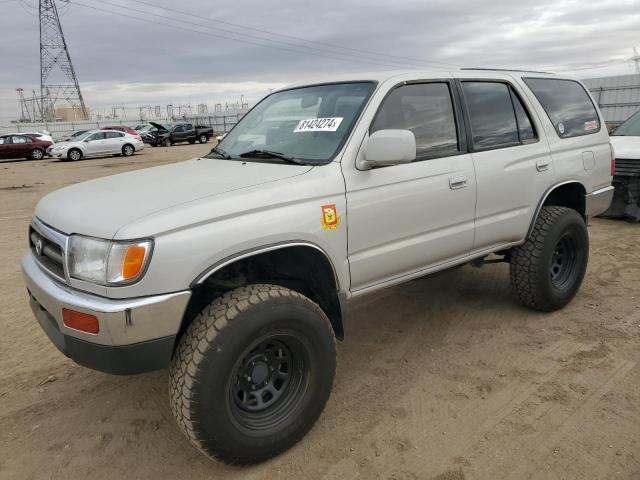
636	60
54	53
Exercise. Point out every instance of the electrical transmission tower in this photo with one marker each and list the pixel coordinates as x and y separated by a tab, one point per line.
636	59
61	83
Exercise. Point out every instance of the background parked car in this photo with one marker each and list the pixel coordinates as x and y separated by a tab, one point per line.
74	135
122	128
145	129
168	135
36	135
626	180
23	146
97	143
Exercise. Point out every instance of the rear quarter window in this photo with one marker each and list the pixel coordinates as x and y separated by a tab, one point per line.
567	105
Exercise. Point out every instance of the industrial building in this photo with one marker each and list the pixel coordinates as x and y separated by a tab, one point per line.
618	97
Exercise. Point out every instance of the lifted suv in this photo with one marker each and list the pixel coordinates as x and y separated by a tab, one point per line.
234	270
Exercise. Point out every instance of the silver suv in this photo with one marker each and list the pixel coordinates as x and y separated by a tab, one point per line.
235	269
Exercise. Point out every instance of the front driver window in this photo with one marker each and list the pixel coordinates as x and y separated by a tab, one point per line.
426	109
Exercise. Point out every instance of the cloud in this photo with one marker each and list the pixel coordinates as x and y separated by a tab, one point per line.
121	59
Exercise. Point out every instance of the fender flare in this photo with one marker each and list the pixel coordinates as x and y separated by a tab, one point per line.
544	199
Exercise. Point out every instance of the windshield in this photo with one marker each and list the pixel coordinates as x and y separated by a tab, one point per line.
308	123
631	127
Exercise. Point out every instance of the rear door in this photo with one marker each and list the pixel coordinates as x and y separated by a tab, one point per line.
513	166
114	141
406	218
21	146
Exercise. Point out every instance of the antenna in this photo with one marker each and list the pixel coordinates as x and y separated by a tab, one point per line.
54	53
636	59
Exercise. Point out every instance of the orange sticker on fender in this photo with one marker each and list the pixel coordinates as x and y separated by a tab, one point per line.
330	217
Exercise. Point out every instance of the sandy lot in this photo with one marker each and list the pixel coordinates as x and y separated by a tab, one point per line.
441	378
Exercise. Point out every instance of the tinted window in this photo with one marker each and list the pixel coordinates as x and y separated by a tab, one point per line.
96	136
188	126
114	134
630	127
427	110
491	114
567	104
179	129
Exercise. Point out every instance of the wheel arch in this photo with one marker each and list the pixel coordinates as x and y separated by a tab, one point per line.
570	194
302	266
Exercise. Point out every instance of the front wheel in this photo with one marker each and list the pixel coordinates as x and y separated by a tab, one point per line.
167	142
74	154
252	373
548	269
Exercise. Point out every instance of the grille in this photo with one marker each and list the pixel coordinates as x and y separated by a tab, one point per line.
47	252
627	167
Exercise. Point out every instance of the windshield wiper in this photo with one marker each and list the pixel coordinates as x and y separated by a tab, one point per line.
271	154
220	152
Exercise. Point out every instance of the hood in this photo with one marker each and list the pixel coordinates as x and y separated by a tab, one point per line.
626	147
101	207
160	127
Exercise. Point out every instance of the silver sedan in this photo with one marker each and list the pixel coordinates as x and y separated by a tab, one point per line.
97	143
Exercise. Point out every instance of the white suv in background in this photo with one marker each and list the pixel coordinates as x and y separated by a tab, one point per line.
97	143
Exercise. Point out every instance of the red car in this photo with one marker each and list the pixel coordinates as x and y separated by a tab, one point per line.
122	128
23	146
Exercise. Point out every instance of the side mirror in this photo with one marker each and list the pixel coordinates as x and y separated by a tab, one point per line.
389	147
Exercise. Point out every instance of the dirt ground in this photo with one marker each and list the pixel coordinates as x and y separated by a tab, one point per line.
442	378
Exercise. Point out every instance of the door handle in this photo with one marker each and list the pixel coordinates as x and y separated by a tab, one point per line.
457	182
542	165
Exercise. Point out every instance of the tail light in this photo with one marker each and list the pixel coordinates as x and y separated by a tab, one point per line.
613	160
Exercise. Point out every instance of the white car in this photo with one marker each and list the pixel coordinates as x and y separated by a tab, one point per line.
97	143
45	137
626	143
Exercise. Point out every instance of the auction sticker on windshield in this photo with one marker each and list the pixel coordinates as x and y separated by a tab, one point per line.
328	124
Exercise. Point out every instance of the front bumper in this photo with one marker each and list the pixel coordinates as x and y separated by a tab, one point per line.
136	335
598	201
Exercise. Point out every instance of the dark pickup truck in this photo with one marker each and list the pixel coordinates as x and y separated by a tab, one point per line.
167	135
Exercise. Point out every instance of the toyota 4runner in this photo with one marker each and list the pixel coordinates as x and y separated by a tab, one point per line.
234	270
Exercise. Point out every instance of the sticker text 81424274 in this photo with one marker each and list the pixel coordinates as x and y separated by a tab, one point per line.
328	124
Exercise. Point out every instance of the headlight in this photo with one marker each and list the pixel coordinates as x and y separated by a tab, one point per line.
106	262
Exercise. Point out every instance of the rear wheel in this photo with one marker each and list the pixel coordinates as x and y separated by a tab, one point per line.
548	269
74	154
36	154
128	150
203	138
252	373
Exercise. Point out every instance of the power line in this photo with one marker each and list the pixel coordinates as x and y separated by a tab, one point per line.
292	37
242	39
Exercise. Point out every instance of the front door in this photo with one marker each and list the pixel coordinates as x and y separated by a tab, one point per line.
96	144
406	218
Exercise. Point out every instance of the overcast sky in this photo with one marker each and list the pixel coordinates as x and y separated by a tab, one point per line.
120	59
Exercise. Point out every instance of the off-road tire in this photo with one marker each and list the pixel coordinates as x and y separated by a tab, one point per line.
36	154
203	138
74	154
204	374
537	279
128	150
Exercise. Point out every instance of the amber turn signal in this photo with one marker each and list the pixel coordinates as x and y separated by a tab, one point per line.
80	321
133	261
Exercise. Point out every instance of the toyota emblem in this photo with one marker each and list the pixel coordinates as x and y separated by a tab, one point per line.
39	246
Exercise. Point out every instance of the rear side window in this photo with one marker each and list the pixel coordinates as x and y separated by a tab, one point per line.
427	110
567	105
114	134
